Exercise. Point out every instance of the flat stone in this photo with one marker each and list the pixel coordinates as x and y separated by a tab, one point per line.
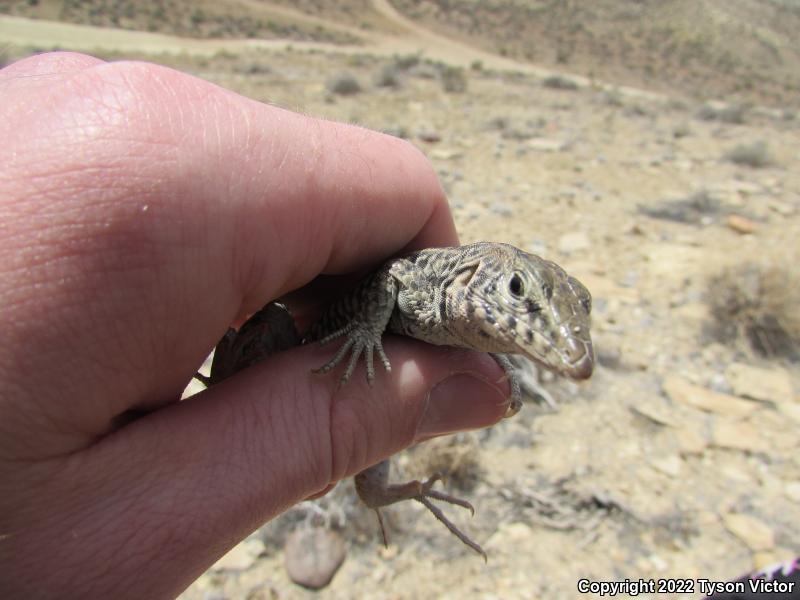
312	555
737	435
792	490
756	534
791	410
546	145
741	224
446	154
655	414
574	241
680	390
766	384
690	441
241	556
668	465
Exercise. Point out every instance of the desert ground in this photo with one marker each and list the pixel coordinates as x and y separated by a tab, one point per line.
679	211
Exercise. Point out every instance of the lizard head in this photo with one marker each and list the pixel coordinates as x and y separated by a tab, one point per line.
528	305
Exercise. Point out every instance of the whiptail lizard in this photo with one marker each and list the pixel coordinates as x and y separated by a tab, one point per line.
486	296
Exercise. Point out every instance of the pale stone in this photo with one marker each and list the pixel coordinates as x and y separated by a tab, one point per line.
682	391
737	435
770	385
669	465
312	555
446	154
756	534
740	224
546	145
655	414
790	410
792	490
690	441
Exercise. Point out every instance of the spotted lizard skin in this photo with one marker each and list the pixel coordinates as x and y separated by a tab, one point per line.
486	296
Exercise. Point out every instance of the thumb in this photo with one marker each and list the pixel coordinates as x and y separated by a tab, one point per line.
180	486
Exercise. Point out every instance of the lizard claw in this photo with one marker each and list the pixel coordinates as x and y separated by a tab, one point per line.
373	488
359	341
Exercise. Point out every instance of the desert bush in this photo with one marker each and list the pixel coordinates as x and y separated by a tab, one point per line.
733	113
754	155
407	61
453	79
388	76
559	82
343	84
755	305
681	130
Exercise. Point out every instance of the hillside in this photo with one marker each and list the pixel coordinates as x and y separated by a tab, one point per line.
744	51
747	49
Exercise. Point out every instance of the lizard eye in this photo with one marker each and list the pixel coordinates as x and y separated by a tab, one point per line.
515	286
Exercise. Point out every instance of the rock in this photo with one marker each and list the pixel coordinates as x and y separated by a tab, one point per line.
756	534
312	555
657	414
668	465
446	154
680	390
737	435
791	410
768	385
740	224
574	241
427	134
792	490
546	145
241	556
690	441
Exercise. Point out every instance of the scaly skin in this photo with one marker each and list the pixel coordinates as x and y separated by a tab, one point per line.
486	296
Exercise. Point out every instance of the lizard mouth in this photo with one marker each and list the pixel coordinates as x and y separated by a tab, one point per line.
582	366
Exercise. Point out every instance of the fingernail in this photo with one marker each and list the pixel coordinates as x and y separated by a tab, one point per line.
462	402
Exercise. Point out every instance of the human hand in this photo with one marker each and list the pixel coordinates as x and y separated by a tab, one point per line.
143	211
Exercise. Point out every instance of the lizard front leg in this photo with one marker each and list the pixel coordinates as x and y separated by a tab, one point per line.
361	318
375	491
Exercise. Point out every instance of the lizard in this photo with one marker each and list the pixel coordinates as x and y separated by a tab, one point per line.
486	296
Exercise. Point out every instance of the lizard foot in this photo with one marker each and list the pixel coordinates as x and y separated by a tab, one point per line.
375	491
359	341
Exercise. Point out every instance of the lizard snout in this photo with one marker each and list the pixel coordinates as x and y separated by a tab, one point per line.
580	357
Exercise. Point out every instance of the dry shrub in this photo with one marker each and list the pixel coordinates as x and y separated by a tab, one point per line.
343	84
453	79
756	305
756	155
559	82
